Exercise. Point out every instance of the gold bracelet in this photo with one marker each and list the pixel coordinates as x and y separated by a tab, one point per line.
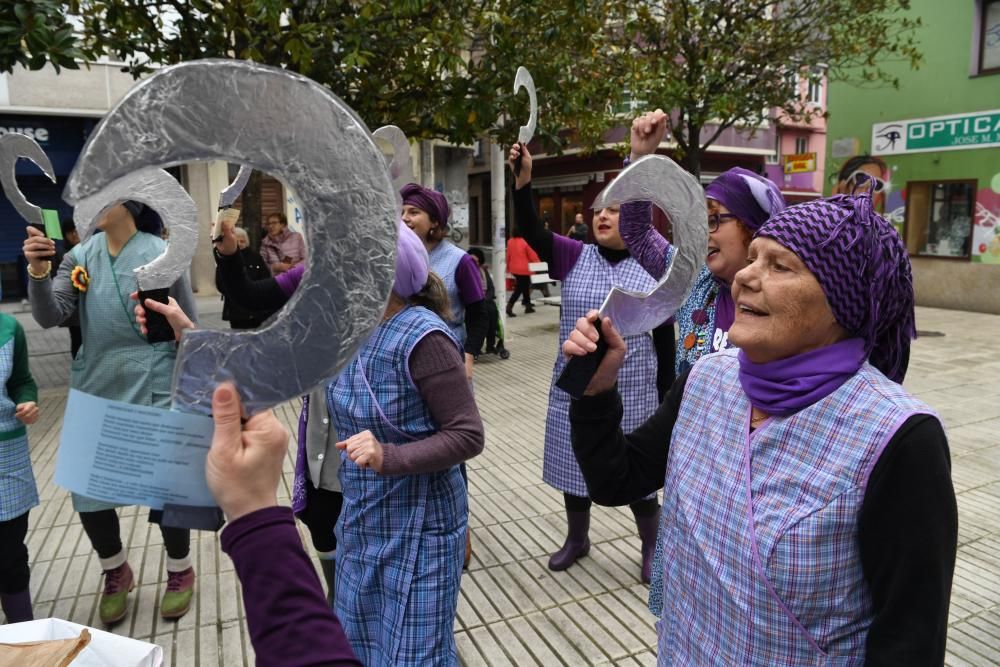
43	276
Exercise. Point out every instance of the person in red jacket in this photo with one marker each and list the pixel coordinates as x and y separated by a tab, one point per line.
519	256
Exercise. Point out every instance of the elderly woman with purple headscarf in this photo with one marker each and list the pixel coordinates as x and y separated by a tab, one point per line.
808	514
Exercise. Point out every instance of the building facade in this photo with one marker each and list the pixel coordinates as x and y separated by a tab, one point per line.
939	134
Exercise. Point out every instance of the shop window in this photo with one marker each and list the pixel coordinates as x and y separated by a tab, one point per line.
939	217
989	37
546	211
571	205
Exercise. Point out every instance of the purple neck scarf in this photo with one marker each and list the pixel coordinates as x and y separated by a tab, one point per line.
784	387
725	309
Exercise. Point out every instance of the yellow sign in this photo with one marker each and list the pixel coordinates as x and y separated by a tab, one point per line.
800	163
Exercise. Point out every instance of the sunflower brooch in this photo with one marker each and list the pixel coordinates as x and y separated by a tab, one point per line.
80	278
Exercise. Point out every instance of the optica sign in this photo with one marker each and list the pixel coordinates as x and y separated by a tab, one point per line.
942	133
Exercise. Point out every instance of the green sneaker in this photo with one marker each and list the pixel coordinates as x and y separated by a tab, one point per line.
180	589
114	600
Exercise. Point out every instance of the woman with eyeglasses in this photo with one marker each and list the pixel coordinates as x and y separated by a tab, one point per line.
849	178
739	202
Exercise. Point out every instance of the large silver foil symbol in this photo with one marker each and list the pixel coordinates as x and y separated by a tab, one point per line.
161	192
522	79
658	179
12	147
233	191
289	126
400	166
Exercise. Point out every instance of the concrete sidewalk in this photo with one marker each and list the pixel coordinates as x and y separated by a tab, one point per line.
513	610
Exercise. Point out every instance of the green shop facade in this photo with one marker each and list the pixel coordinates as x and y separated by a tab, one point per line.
939	134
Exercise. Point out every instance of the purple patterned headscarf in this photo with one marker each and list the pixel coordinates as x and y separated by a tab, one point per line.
863	267
748	196
412	264
429	201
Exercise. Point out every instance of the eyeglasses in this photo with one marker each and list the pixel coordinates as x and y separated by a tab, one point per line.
855	181
716	219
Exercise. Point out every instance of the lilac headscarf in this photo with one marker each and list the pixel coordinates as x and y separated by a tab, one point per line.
429	201
861	263
748	196
412	264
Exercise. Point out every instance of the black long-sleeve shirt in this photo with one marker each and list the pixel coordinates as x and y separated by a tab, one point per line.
907	526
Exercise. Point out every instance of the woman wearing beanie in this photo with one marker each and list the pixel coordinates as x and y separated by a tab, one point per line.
116	362
588	272
813	520
739	202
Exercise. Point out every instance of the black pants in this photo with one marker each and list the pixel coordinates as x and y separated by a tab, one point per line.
75	339
522	288
640	508
105	534
320	516
14	571
492	318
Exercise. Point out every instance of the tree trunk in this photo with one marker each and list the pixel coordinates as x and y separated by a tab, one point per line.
250	210
692	157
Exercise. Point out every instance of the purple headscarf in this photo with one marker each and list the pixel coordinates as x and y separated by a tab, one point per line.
429	201
412	264
748	196
862	265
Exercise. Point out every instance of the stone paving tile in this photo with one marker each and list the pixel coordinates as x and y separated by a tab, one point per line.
512	609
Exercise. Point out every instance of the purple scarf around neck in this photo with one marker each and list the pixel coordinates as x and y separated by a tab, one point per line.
725	309
784	387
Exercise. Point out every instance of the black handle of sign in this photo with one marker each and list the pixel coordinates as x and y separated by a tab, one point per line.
159	330
192	517
579	371
517	161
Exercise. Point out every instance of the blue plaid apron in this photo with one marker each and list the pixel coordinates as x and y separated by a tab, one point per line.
584	288
115	361
400	539
760	530
18	492
444	259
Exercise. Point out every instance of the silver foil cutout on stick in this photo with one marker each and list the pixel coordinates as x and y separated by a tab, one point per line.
233	191
297	130
660	180
161	192
522	79
400	166
13	146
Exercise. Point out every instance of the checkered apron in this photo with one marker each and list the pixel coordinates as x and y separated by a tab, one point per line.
444	259
18	492
760	530
115	361
584	288
401	539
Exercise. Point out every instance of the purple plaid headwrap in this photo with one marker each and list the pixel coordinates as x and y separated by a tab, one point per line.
429	201
412	264
863	267
748	196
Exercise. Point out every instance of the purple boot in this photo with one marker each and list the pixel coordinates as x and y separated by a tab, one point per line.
648	526
577	542
17	606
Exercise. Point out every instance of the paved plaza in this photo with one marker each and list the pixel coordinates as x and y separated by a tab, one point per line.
512	610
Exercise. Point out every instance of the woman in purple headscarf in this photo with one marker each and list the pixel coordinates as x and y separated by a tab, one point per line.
808	512
406	419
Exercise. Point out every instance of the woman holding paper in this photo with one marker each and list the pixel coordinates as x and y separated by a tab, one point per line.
588	272
116	362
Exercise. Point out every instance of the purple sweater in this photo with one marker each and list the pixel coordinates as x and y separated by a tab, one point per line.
289	620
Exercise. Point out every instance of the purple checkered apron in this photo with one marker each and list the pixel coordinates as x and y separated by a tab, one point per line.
444	259
400	539
583	289
760	530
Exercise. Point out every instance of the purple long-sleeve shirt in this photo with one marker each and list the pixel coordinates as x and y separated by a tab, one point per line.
647	246
289	620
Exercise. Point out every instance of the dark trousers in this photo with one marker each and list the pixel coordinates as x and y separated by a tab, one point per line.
75	339
105	534
14	571
492	319
522	288
640	508
321	514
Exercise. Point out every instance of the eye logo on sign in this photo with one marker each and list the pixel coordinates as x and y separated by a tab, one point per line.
315	143
889	135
